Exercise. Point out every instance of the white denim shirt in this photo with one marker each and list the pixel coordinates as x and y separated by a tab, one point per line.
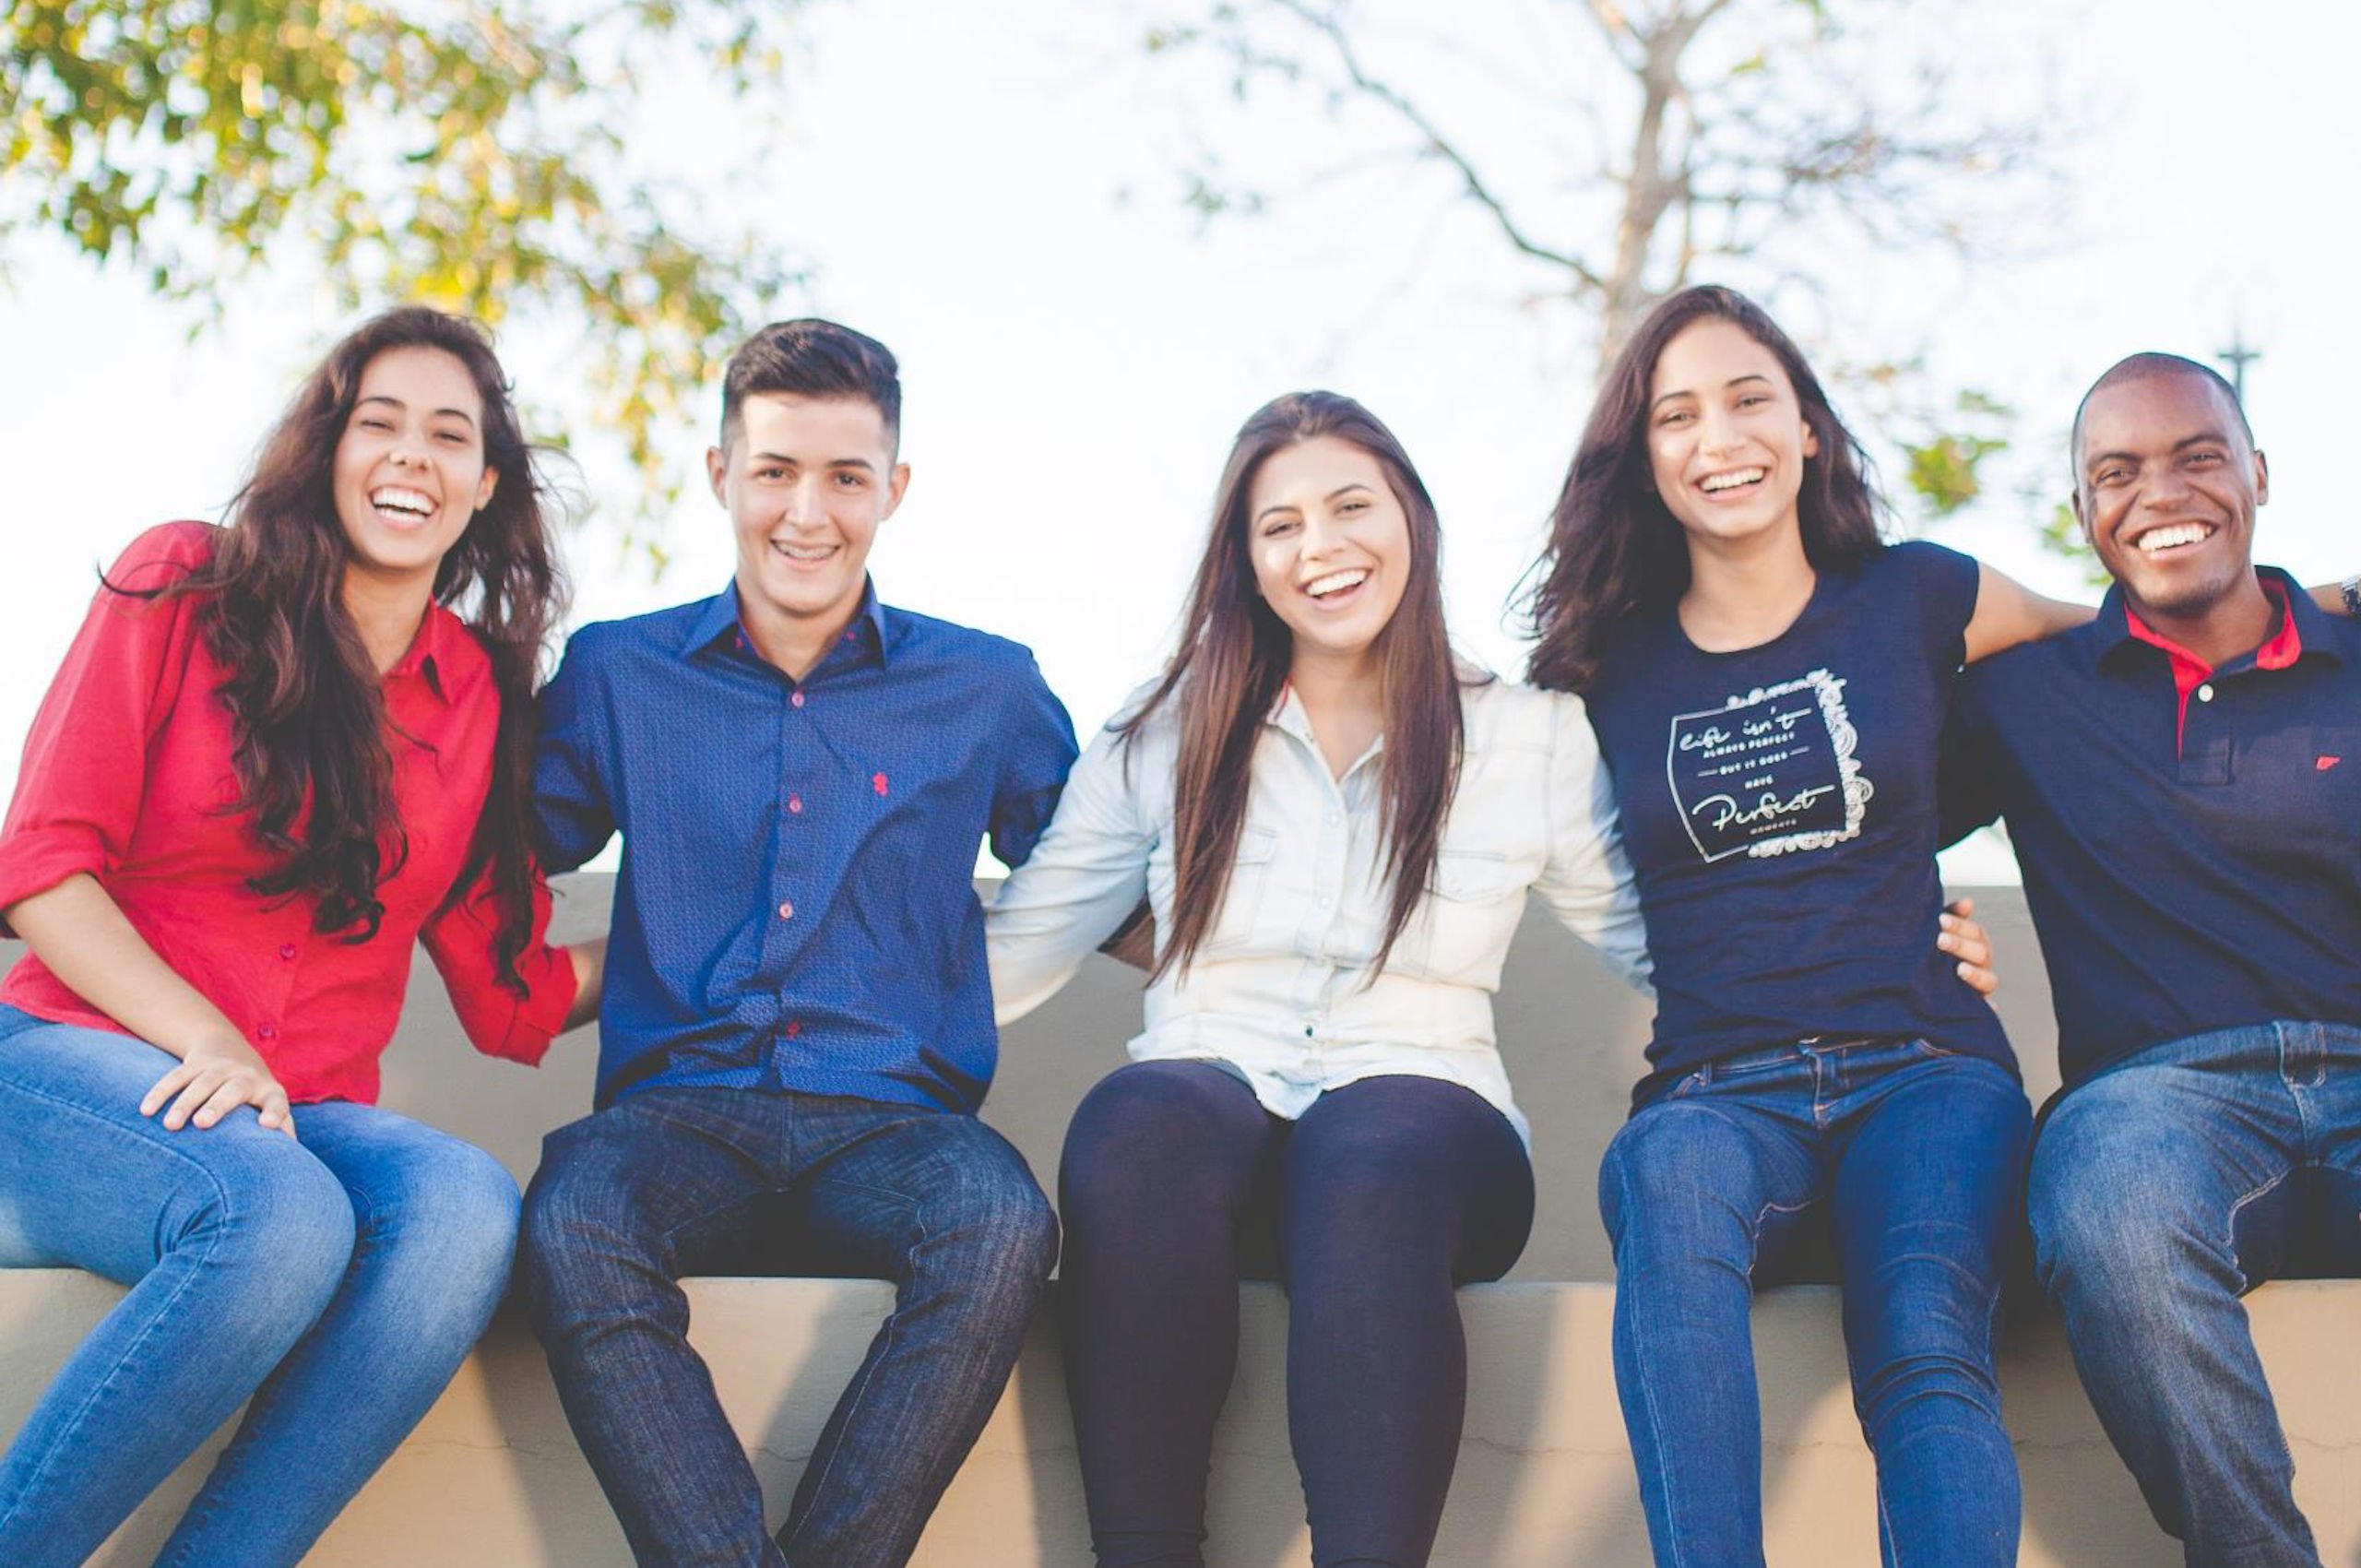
1280	988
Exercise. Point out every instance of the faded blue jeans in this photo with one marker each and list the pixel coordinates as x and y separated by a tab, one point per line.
2162	1191
339	1281
675	1181
1910	1162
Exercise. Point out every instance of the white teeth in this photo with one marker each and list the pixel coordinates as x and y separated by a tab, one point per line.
398	498
1730	480
2165	539
1337	582
804	551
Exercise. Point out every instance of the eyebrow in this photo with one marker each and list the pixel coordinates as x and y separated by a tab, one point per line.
1290	506
2203	438
397	403
863	464
1733	380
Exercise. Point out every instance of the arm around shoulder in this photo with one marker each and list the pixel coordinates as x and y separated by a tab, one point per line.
1588	881
1081	882
2007	613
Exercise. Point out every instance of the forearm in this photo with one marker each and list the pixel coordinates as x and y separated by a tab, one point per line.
589	958
78	930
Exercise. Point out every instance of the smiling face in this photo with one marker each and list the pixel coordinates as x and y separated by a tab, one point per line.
805	480
1726	436
1329	545
2166	488
409	468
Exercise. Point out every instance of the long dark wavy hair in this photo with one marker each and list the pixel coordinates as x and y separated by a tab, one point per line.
1615	550
1233	661
312	760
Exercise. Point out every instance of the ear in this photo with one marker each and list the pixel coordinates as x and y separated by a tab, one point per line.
1811	440
717	469
897	480
484	489
2261	479
2082	516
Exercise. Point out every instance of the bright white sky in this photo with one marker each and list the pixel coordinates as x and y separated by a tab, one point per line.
997	204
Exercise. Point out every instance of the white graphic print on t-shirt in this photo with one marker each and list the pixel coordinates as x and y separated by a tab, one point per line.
1769	772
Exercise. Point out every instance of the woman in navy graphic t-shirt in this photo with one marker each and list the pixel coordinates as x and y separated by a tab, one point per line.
1768	681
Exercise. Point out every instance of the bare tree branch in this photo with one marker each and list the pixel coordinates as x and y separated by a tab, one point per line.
1436	145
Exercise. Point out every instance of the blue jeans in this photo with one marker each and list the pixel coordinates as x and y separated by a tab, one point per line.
1909	1162
338	1281
2162	1191
677	1181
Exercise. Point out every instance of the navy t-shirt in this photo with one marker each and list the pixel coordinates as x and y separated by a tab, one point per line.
1779	808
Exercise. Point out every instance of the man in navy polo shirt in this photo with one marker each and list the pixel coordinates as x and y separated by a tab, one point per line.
797	1026
2182	778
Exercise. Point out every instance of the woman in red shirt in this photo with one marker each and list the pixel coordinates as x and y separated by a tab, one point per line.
277	756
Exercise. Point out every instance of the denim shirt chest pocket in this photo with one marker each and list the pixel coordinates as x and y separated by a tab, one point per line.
1474	901
1253	871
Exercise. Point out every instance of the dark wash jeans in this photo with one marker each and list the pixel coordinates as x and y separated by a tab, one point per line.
674	1181
2162	1191
1910	1162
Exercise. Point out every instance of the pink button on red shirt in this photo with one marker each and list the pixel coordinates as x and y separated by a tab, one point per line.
139	681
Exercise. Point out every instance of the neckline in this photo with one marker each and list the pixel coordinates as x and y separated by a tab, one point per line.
1811	603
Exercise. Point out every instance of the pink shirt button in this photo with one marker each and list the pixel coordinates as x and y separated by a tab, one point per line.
287	950
796	700
795	804
787	911
267	1032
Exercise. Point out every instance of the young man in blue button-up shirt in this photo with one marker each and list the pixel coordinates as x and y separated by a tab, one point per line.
2182	778
797	1026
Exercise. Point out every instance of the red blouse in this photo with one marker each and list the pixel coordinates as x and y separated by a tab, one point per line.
125	775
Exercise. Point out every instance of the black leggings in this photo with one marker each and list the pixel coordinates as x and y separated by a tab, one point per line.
1384	1195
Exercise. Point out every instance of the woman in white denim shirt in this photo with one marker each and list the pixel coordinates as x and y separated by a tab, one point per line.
1317	1093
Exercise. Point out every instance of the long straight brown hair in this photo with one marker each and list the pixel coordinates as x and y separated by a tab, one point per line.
1615	550
307	712
1233	660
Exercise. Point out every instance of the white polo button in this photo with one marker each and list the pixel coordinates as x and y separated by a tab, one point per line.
2205	694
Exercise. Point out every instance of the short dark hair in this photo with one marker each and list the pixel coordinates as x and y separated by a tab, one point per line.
2150	366
811	358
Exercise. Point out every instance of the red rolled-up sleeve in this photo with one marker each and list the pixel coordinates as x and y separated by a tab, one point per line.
84	775
497	1020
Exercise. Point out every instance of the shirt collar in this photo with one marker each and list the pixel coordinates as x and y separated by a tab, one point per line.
1288	714
718	617
429	652
2302	628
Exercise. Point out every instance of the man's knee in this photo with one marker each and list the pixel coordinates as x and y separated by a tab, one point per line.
1005	1215
2117	1197
578	1226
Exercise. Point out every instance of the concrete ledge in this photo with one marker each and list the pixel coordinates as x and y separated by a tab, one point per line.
492	1478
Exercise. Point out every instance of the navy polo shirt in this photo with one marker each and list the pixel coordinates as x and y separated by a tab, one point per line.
796	907
1778	805
2189	866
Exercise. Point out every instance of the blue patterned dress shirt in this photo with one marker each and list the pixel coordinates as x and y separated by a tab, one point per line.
796	910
